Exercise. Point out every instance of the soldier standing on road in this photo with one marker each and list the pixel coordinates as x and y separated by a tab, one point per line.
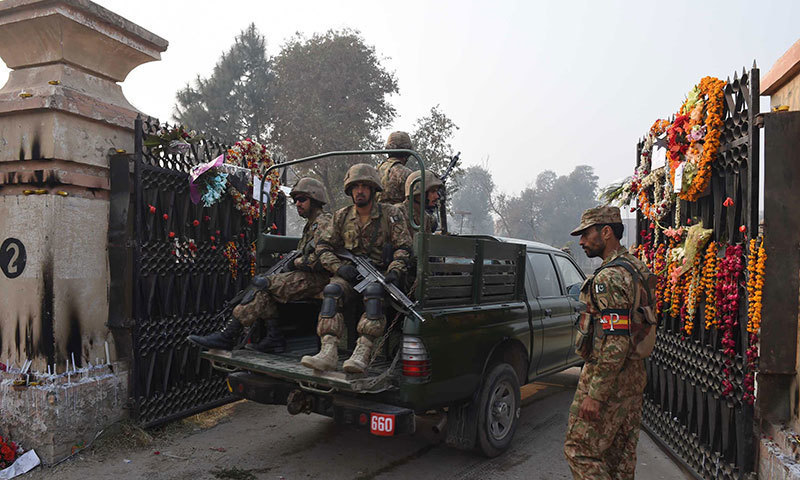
393	171
305	278
606	413
370	229
432	186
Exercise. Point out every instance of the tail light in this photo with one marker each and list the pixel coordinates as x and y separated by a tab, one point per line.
415	359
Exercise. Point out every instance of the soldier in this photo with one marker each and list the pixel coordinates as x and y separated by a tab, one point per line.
371	229
432	185
393	171
606	413
305	279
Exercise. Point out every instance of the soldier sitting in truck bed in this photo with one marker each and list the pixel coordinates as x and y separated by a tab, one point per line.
432	186
304	279
367	228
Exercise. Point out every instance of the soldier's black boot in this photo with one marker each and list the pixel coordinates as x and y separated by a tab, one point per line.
225	339
273	341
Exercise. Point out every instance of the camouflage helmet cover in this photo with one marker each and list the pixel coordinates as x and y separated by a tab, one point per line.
399	140
431	181
598	216
363	173
311	187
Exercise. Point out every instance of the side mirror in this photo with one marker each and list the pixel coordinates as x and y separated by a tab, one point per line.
574	290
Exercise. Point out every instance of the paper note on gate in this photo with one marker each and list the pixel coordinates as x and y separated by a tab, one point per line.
258	185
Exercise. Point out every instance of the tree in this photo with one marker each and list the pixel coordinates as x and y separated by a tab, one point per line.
234	102
471	203
431	137
330	94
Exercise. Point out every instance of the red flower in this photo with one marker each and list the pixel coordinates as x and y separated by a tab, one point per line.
241	235
173	252
165	216
206	218
217	232
213	238
152	209
171	234
7	453
742	228
728	202
196	223
213	247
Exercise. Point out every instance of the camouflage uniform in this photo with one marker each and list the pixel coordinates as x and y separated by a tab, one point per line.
307	281
387	225
384	239
606	448
394	173
431	182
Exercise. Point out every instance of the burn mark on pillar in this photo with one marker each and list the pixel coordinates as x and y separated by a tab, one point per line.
74	340
16	337
21	151
30	349
47	337
36	147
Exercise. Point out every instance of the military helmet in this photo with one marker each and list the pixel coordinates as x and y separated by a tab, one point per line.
364	173
398	140
311	187
431	181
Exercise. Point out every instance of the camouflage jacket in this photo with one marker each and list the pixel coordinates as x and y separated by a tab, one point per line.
609	372
386	226
317	223
393	174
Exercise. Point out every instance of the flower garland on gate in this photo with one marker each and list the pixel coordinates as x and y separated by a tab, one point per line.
690	308
255	157
728	306
694	137
709	286
756	269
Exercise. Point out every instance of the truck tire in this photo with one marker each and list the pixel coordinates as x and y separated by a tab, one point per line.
498	410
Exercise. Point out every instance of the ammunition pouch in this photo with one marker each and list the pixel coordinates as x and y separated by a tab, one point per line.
584	338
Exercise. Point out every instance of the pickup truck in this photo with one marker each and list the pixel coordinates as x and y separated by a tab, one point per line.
496	313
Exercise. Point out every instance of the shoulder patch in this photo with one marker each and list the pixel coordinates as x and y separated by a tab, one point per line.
600	288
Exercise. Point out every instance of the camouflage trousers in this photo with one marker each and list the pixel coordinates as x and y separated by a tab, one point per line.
604	449
283	288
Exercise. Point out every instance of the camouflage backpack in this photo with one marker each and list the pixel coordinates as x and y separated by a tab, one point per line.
643	320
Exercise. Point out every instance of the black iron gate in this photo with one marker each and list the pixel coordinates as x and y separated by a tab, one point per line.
684	408
181	277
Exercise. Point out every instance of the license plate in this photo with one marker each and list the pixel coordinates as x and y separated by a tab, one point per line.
381	424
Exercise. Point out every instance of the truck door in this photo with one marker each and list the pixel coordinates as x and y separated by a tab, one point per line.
572	279
557	313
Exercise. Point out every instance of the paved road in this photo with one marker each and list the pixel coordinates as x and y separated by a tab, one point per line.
264	442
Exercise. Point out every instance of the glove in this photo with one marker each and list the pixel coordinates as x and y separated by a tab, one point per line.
291	266
393	277
348	272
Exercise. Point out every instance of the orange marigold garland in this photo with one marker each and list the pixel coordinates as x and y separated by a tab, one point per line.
232	254
691	296
709	286
659	269
695	144
255	157
756	265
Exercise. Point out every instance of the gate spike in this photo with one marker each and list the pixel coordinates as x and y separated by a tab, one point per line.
743	72
754	64
735	76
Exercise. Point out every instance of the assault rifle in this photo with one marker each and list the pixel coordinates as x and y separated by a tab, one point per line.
443	191
368	274
255	285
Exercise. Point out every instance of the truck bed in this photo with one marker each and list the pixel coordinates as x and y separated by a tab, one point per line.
286	366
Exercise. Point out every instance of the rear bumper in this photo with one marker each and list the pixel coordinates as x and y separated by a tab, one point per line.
344	409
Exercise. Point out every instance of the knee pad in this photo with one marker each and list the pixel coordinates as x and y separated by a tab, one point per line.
258	283
331	295
373	301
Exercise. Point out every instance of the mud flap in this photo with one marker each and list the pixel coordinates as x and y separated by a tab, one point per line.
462	426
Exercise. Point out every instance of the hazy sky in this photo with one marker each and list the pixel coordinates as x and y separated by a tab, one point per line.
532	85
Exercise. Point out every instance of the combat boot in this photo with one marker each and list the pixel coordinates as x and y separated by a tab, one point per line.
327	358
360	359
273	341
225	339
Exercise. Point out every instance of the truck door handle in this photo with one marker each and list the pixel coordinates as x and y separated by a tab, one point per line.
548	312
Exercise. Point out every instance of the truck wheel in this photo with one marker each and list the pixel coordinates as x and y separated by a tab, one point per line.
499	409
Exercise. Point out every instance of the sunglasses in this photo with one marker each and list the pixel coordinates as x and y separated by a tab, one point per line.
299	200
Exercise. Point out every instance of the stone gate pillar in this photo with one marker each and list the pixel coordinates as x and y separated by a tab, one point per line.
61	111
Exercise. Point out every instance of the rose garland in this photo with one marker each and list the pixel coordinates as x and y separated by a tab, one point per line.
255	157
728	303
660	267
686	134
